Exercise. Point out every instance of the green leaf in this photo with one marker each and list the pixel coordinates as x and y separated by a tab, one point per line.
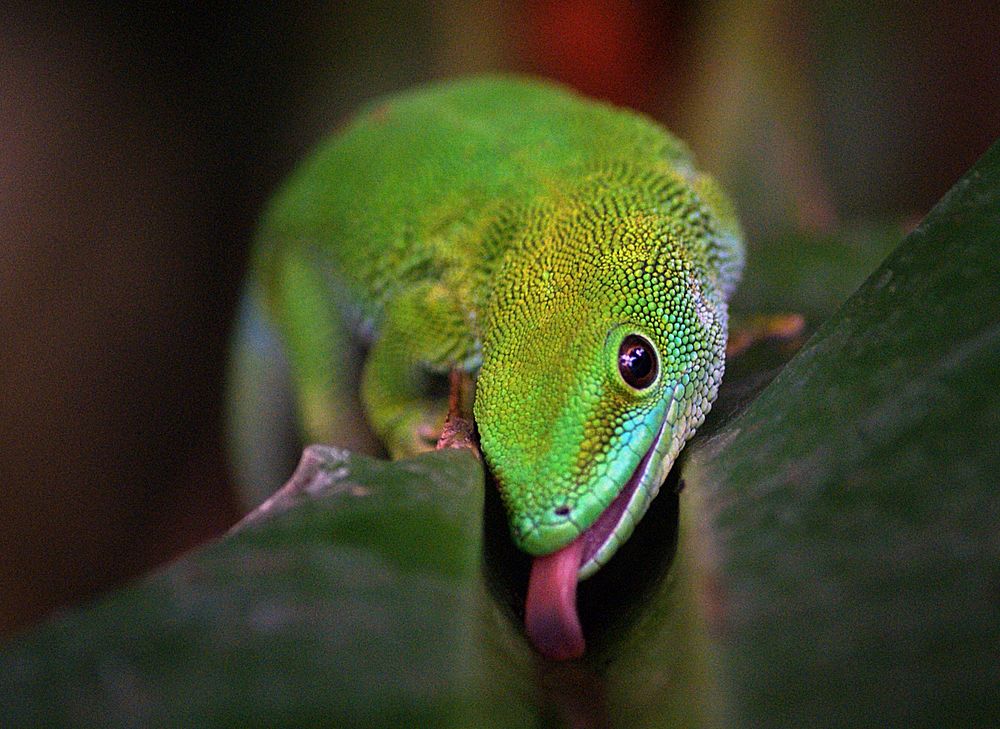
354	600
851	510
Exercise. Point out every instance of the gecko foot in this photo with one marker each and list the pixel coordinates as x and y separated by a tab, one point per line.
458	433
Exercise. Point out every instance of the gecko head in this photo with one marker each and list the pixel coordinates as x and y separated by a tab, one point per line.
591	382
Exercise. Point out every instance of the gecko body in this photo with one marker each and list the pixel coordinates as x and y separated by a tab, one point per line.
564	253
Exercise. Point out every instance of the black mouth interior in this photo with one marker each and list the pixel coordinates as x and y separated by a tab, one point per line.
599	532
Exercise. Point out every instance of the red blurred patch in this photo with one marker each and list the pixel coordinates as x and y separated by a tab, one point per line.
624	52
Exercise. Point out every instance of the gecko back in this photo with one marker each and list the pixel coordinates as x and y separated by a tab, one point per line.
419	185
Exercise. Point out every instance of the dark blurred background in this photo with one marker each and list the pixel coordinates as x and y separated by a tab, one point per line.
138	146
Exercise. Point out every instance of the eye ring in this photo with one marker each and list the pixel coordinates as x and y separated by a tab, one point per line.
638	363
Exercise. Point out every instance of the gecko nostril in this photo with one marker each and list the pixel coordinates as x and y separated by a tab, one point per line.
562	510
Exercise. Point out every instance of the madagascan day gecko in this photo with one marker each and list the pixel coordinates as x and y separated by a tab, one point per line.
561	254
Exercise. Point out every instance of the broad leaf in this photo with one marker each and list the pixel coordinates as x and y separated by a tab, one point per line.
357	600
851	511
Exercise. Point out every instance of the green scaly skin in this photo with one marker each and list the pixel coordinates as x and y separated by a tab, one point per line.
511	229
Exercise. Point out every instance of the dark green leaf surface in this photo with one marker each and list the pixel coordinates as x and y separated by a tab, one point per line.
360	605
853	506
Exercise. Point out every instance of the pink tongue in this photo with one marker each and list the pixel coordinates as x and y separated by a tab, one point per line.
550	610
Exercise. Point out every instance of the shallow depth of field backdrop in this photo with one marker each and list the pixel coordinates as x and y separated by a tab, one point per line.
138	146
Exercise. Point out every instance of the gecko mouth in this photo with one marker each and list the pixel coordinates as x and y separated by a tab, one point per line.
550	615
598	534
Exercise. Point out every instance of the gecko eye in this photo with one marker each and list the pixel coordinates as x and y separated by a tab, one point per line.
637	362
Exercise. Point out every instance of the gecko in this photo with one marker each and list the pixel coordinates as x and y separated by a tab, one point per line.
562	256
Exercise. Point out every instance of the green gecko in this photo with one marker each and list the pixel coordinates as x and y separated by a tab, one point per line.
563	254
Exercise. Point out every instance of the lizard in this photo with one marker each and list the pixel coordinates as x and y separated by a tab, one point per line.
563	256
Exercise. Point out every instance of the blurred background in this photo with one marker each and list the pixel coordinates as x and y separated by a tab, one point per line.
136	147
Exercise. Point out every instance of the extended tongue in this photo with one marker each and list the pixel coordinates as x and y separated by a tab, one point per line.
550	610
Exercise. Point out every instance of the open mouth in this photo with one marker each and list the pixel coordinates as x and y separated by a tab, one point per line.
550	616
598	534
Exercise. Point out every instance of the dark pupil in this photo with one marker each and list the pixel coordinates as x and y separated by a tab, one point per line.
636	361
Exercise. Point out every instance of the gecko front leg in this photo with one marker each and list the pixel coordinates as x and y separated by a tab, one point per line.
424	334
